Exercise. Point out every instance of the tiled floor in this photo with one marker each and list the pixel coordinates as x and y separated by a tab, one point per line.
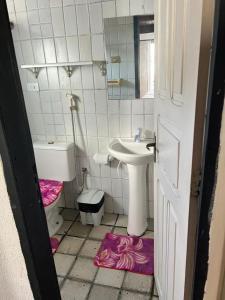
79	279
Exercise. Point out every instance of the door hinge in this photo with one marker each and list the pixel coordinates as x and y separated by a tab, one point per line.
196	185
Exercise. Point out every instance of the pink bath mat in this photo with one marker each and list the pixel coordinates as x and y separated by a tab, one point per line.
54	244
128	253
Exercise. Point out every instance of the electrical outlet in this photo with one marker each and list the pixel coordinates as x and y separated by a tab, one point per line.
32	87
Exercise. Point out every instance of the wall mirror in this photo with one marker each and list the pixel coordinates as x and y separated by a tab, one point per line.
129	45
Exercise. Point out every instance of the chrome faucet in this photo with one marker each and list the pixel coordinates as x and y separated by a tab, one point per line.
137	137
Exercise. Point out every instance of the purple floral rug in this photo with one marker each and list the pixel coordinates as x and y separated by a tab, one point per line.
128	253
54	244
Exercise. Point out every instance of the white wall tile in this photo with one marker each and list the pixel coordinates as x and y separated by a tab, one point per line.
89	101
60	129
45	15
113	107
149	7
102	125
64	80
43	80
23	26
149	107
108	205
118	205
125	107
80	124
37	124
125	126
49	49
57	21
98	52
122	8
114	128
31	4
91	125
19	54
137	122
53	78
107	185
96	23
109	9
46	30
76	81
137	107
55	3
68	2
83	19
99	79
70	20
73	49
87	77
137	7
33	103
20	5
27	52
38	50
43	3
35	31
101	101
85	48
92	143
148	126
94	168
33	17
61	50
78	37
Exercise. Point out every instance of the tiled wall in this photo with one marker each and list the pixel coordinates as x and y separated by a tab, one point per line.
49	31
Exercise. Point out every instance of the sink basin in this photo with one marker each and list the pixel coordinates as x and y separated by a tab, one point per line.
130	152
137	157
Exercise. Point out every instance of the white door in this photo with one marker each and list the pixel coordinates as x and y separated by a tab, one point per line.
178	31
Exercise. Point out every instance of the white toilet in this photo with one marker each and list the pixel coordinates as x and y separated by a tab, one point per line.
55	165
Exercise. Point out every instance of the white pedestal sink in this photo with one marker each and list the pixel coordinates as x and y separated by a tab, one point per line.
137	157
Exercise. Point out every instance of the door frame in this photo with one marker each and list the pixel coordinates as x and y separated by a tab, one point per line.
20	172
21	175
215	103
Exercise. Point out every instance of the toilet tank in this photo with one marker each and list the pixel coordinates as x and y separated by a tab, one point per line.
55	161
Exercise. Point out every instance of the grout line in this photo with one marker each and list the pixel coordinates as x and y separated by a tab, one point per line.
92	282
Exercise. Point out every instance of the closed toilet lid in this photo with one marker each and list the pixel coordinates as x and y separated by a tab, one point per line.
50	190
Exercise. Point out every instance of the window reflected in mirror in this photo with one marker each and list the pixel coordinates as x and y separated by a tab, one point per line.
129	45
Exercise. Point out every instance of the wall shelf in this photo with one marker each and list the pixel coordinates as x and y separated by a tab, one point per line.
68	67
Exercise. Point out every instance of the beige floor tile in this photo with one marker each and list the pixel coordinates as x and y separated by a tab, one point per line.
127	295
65	226
70	245
148	234
74	290
84	268
58	237
69	214
138	282
90	248
79	230
110	277
122	221
63	263
109	219
103	293
99	232
121	231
